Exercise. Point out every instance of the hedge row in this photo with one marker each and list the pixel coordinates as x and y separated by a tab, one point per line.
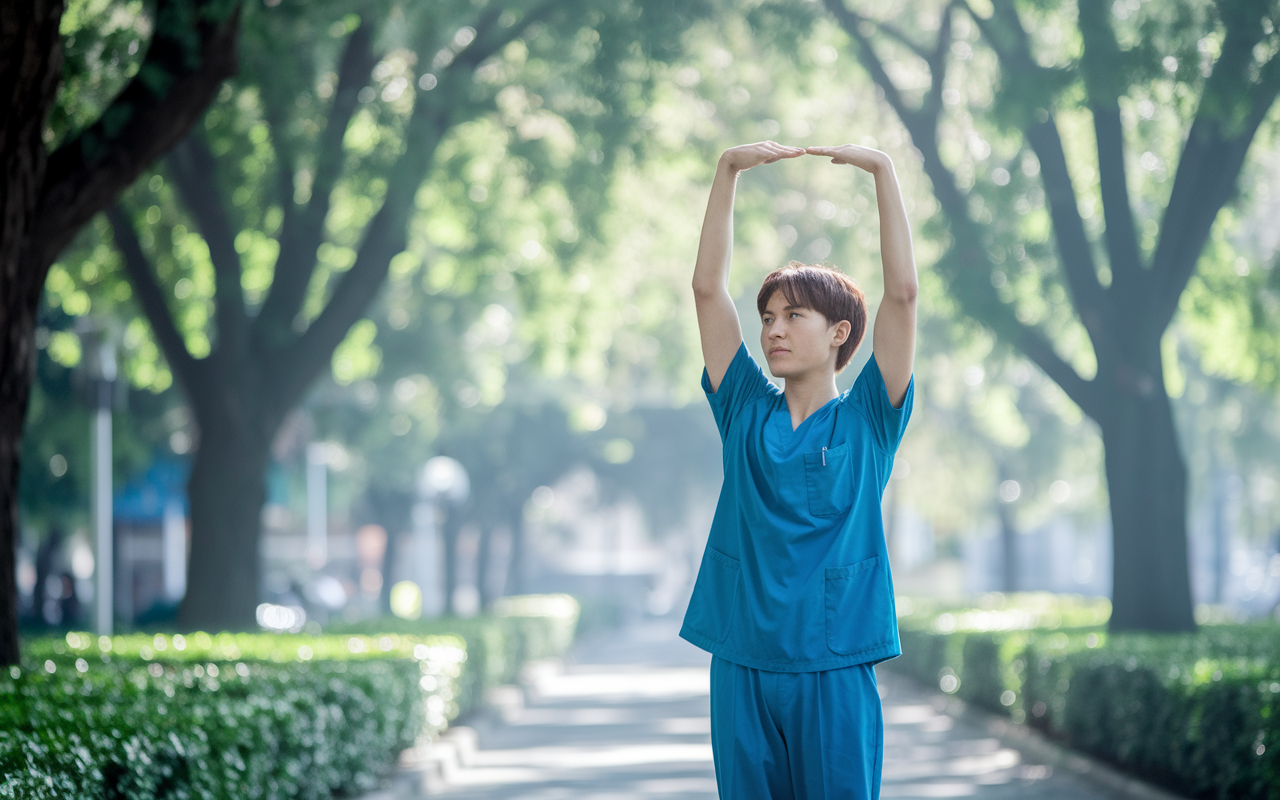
1199	713
247	715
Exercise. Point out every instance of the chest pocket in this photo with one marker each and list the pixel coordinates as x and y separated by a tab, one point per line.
828	479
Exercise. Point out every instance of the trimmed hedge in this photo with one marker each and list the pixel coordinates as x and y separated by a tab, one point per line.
253	715
232	716
1199	713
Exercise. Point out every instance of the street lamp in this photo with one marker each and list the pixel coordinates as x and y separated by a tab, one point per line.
98	345
442	480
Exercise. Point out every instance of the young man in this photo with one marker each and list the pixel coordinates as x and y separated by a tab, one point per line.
794	599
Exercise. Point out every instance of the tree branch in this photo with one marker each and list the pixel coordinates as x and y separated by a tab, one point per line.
1102	66
978	298
434	113
303	231
151	298
195	170
963	263
931	107
852	22
175	83
1074	249
1008	39
1231	109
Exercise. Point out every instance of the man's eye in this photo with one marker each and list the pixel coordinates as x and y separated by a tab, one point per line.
795	313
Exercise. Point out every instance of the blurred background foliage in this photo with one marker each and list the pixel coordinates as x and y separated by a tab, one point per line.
539	316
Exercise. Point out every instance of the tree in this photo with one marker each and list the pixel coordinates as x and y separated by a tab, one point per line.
1211	70
291	276
49	195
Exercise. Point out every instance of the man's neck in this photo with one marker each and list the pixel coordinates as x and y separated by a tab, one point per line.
807	393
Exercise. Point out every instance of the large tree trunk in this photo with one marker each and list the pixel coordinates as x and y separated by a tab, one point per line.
45	199
1147	483
30	65
14	392
227	491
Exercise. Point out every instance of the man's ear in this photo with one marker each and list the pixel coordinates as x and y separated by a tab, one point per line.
842	330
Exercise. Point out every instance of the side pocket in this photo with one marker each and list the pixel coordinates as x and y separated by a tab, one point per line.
715	595
857	600
828	477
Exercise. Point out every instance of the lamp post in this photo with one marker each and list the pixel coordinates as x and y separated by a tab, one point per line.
317	504
98	345
442	480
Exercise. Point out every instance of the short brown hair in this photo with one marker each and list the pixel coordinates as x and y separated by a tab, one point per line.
826	290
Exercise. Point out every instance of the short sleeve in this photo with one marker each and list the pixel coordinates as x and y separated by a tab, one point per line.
869	393
742	383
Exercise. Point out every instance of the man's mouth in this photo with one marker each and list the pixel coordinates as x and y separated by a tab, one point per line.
775	351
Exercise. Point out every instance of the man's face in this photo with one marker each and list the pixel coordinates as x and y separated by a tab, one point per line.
798	341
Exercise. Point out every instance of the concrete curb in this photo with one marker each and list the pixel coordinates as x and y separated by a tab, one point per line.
1032	742
430	767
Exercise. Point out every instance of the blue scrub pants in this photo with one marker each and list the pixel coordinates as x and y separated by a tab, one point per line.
796	735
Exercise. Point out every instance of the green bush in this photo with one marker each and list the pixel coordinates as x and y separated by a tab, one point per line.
254	715
1198	712
231	716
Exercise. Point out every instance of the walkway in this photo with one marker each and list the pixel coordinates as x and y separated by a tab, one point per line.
628	718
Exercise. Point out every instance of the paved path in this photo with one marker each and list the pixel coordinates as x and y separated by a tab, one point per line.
628	718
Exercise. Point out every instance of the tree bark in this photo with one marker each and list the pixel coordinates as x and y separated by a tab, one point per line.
46	198
227	491
1147	483
449	530
30	64
1008	548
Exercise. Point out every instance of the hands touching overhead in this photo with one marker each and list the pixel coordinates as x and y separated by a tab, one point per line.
893	338
746	156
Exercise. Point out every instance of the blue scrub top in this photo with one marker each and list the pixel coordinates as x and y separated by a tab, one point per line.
795	577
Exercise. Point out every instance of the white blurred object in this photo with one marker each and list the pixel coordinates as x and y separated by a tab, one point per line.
81	559
329	592
174	551
317	504
281	618
444	478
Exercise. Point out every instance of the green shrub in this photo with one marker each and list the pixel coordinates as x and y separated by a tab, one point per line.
1197	712
231	716
270	716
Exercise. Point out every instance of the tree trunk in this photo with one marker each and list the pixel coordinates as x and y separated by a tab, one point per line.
227	491
484	567
30	66
1008	549
11	416
449	536
1147	483
515	581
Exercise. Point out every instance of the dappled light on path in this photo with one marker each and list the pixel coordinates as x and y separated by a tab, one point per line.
628	717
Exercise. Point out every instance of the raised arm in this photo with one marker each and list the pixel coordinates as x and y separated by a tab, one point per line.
718	324
893	338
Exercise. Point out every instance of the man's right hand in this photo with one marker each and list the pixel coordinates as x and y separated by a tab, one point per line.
746	156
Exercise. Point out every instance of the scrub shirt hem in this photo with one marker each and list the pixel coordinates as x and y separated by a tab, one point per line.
871	656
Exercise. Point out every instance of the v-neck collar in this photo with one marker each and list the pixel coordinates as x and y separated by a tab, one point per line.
785	413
